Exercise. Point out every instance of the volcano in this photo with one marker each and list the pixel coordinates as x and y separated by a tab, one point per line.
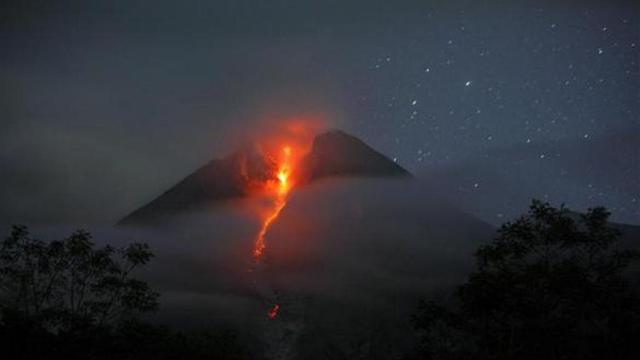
334	153
315	255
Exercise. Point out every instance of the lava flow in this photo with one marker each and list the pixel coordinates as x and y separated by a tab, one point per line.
273	312
297	136
280	192
280	189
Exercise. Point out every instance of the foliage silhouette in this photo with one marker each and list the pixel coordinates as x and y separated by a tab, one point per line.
68	299
551	286
66	283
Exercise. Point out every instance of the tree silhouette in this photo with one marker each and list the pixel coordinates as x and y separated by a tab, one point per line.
68	299
551	286
65	283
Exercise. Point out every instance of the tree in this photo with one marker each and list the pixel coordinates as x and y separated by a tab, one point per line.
67	284
68	299
551	286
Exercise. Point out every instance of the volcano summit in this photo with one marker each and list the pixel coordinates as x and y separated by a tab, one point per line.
334	153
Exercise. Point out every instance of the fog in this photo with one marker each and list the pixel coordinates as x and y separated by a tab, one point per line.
348	254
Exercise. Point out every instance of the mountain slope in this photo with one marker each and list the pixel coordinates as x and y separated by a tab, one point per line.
333	153
337	153
217	180
354	255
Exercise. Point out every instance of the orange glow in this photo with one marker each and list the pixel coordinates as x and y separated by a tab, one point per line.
280	190
283	147
273	312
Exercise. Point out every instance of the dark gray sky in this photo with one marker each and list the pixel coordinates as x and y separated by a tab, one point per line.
105	104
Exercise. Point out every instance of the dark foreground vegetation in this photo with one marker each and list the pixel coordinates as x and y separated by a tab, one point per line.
553	285
69	300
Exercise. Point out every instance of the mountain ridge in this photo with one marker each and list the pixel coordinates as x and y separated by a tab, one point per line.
333	153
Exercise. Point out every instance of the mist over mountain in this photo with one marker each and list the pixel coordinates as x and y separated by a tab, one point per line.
367	239
353	254
358	243
201	130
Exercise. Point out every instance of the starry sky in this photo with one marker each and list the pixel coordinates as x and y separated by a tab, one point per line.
105	104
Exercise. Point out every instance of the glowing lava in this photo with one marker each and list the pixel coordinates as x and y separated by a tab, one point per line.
283	178
280	192
273	312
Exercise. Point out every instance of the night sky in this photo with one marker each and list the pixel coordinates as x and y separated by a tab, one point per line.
106	104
